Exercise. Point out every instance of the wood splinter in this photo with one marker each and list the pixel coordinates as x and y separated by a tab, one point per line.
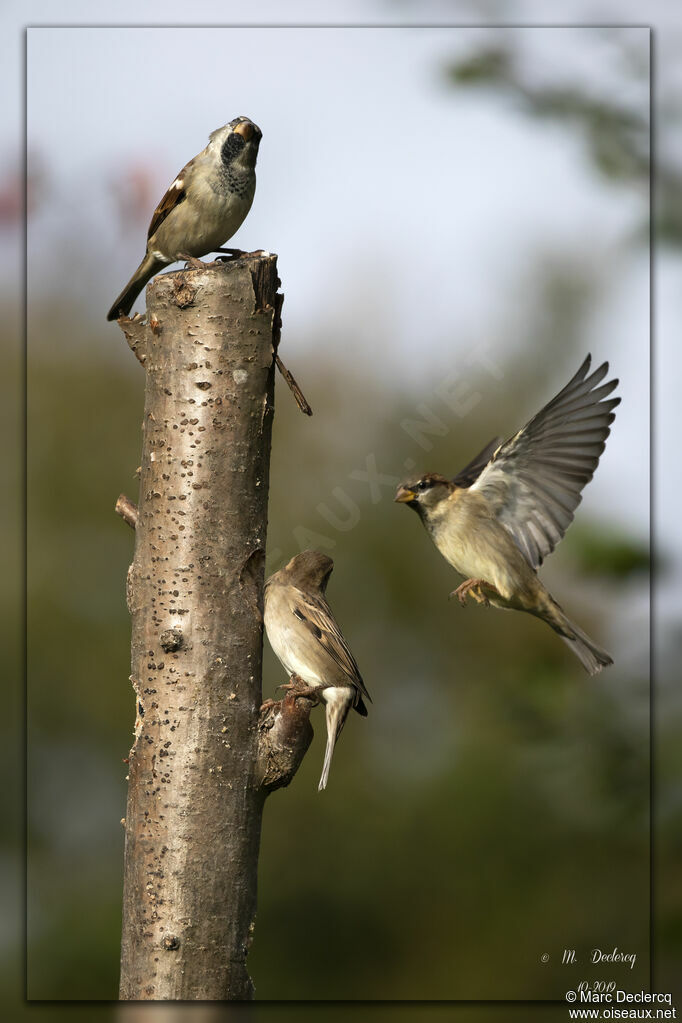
276	338
135	331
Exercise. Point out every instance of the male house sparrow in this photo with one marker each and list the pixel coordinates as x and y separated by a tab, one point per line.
510	507
202	209
306	639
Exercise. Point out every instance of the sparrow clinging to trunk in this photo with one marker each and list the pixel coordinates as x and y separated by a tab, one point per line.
306	639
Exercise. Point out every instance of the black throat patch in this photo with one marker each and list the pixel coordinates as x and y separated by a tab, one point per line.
232	147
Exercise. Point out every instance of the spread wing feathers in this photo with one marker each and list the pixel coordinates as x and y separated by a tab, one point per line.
470	473
173	197
314	612
534	481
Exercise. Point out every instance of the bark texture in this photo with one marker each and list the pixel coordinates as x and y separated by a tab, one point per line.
195	592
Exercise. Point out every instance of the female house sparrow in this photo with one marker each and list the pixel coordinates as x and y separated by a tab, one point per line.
510	507
202	209
306	639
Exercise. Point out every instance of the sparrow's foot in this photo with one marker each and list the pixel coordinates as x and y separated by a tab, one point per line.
471	587
267	704
192	263
227	256
297	687
230	254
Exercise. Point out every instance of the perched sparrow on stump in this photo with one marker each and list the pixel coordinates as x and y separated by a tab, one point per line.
510	507
202	209
306	639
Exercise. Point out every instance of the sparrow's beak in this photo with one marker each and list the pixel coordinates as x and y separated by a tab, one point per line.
245	129
405	494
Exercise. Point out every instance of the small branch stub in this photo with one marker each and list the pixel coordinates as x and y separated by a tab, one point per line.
127	509
285	734
171	640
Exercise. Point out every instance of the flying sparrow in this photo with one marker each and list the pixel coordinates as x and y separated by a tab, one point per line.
202	209
306	639
508	509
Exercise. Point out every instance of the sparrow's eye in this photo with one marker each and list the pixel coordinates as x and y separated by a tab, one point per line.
423	485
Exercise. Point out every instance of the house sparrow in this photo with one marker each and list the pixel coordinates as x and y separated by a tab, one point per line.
306	639
202	209
510	507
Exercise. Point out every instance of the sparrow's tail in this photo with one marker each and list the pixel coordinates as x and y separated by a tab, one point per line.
592	657
338	702
145	271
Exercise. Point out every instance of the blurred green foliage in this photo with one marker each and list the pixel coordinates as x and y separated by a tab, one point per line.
617	137
616	133
82	435
492	786
608	551
494	803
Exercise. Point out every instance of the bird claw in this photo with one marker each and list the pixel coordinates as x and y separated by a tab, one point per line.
203	264
297	687
471	587
192	263
227	256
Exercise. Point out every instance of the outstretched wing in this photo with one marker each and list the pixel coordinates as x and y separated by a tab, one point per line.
533	482
470	473
173	197
314	612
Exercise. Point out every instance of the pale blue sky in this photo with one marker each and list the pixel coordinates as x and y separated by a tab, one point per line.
368	166
405	210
